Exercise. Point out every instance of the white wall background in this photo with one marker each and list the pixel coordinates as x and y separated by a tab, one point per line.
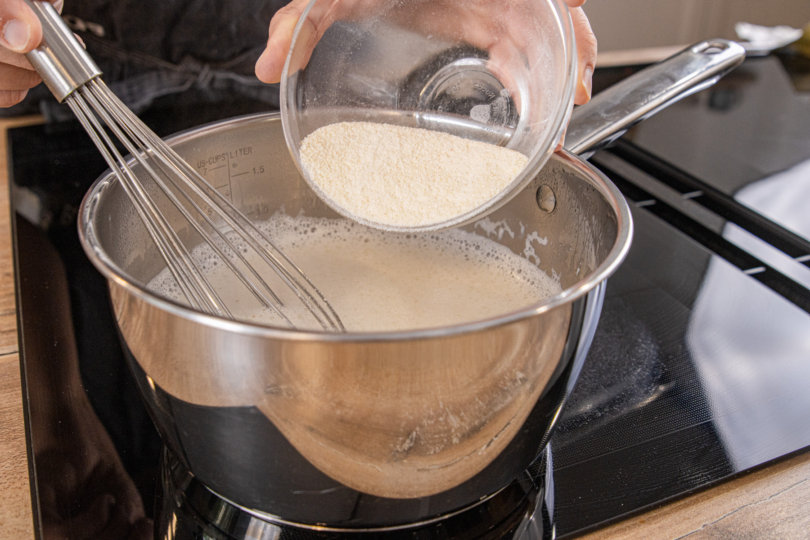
632	24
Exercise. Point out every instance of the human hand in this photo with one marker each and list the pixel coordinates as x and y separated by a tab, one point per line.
20	32
586	51
271	63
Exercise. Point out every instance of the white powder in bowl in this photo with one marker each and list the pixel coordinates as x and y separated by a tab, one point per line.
405	177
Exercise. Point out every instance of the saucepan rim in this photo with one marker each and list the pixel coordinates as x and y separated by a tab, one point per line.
115	274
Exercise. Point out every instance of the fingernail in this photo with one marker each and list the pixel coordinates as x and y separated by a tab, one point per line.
16	33
58	5
587	79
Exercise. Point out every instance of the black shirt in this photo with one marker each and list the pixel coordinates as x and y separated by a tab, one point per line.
149	49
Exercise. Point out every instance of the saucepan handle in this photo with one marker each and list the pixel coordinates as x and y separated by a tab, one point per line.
613	111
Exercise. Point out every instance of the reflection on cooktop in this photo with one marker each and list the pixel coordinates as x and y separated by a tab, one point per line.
696	372
750	127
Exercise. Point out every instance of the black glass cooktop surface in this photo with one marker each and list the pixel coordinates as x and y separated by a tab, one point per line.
748	137
696	373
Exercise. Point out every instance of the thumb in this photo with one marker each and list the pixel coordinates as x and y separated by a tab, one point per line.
271	63
20	29
586	52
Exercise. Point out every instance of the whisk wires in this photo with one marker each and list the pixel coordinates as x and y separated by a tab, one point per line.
94	103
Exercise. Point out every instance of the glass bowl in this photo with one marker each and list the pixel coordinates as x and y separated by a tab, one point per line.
499	72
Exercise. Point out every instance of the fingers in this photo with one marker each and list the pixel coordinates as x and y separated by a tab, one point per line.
271	62
14	59
586	55
17	78
20	31
11	97
560	143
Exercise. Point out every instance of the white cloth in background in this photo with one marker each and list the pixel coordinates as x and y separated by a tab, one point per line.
751	348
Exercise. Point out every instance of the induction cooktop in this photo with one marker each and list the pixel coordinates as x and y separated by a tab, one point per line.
697	371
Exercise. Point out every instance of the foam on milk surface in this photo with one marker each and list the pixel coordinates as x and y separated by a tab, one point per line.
380	281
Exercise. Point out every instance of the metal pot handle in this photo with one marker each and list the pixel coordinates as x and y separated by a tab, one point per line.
615	110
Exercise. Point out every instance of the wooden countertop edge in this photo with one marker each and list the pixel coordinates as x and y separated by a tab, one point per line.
16	517
771	502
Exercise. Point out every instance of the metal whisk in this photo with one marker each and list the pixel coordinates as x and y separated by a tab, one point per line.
74	78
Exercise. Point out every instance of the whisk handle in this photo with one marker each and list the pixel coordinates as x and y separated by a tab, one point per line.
60	59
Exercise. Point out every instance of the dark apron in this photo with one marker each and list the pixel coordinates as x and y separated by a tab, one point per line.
149	49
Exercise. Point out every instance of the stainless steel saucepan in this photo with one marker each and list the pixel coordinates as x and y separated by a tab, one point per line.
364	431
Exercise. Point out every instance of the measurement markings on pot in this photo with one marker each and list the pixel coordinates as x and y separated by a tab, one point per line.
221	158
221	168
